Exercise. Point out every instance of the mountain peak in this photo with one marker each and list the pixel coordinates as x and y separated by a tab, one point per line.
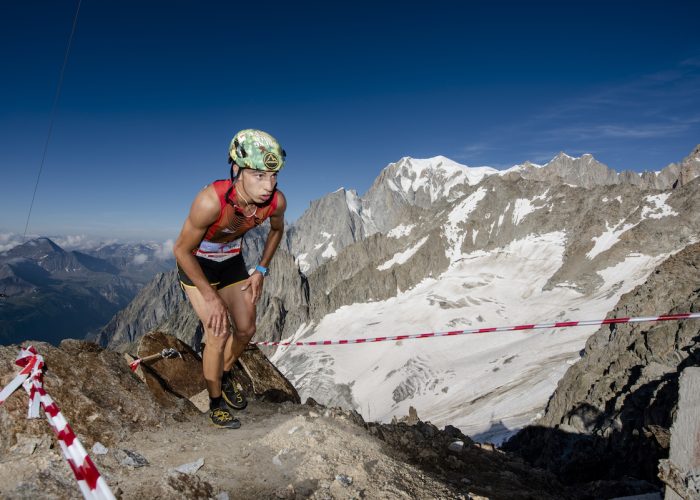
561	155
34	247
438	173
694	156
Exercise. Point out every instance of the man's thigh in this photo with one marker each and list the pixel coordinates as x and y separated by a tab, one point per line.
240	305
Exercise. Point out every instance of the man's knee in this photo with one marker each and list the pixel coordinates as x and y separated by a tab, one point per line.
216	343
245	334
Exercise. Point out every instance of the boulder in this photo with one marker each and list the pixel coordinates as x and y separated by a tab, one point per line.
182	375
257	377
261	379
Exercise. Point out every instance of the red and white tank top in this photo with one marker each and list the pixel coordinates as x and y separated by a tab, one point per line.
224	237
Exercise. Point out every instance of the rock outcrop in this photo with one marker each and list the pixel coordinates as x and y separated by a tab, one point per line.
147	450
182	374
95	390
611	413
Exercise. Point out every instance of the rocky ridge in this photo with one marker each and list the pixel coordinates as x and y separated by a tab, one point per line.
611	412
156	447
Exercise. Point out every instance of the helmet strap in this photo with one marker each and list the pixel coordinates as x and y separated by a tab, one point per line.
234	178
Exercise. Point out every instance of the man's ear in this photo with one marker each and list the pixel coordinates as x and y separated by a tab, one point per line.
236	169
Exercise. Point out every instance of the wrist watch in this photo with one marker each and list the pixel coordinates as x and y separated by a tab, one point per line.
262	270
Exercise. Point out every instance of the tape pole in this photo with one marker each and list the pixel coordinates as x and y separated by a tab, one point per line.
475	331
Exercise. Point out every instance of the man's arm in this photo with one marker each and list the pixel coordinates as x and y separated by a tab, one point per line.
203	213
276	231
273	240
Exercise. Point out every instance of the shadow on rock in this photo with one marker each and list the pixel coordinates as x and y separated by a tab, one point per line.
618	446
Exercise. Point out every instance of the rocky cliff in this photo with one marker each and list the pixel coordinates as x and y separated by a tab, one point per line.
611	412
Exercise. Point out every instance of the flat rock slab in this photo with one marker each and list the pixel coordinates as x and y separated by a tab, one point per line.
263	379
183	376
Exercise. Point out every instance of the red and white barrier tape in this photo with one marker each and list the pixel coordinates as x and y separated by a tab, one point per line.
558	324
91	484
135	364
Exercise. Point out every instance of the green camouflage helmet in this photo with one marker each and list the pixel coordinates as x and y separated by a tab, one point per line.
256	149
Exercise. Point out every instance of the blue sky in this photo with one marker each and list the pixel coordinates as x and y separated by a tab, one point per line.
154	90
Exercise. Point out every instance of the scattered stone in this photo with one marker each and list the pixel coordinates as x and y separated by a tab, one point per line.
131	458
456	446
99	449
286	493
343	479
201	401
411	418
486	446
222	496
313	414
27	445
293	430
189	486
191	467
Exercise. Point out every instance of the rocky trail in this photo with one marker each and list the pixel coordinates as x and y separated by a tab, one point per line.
284	451
157	445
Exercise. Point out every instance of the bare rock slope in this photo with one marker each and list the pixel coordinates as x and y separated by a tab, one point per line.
165	450
611	413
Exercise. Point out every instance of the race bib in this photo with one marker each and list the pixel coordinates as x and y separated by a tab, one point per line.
219	251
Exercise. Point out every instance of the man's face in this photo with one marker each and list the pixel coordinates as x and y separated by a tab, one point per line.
259	185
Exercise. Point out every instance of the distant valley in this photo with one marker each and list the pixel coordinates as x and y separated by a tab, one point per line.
49	293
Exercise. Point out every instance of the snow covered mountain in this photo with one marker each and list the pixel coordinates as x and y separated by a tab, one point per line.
400	191
435	246
410	186
525	246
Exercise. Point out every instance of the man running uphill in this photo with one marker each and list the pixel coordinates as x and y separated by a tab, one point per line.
211	267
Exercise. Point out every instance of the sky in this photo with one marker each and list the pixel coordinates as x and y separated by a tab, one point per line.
153	91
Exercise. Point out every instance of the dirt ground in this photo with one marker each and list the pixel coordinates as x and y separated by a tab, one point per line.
281	451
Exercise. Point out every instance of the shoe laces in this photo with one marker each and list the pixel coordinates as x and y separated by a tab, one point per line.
221	415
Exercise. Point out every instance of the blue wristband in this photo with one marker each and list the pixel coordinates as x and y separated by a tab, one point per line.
262	270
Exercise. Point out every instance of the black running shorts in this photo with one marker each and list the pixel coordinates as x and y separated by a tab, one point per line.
219	274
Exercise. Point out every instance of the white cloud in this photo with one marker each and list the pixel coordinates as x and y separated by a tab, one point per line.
644	131
140	258
9	240
77	242
165	250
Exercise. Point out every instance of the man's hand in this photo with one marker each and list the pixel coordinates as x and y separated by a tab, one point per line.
255	283
217	313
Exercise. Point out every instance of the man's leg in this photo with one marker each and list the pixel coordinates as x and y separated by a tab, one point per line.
242	309
212	365
213	355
